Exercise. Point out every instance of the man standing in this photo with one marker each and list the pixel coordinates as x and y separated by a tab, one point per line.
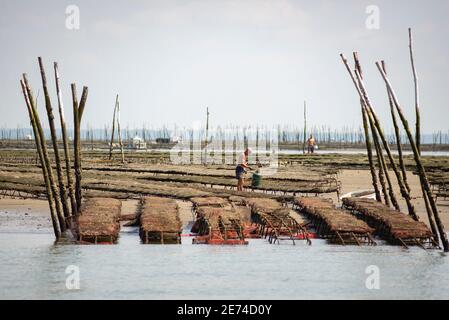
242	166
311	144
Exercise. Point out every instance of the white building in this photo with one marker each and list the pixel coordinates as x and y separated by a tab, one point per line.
139	143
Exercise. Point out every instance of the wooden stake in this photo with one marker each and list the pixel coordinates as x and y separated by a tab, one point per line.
417	124
51	203
66	143
421	171
78	169
207	135
415	80
54	138
398	136
49	169
113	128
305	129
367	139
78	110
380	165
372	115
119	131
383	168
76	137
370	154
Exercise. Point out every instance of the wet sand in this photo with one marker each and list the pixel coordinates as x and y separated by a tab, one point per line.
353	180
24	215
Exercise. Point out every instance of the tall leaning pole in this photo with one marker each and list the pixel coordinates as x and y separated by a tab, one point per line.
65	141
50	199
54	139
417	157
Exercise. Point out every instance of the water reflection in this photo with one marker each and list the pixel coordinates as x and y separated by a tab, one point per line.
33	268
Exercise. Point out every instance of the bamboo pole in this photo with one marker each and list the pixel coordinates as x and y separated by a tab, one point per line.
415	80
421	171
359	85
65	142
54	138
53	187
119	131
113	128
51	203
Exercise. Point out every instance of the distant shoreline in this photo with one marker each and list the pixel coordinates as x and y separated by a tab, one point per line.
153	146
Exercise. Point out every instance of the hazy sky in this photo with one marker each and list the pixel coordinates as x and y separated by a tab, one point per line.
248	61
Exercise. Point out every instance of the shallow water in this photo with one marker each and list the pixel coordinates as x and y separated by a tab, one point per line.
33	267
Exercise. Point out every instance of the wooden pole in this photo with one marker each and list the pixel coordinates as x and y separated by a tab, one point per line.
367	138
54	138
398	142
49	169
305	129
207	135
421	171
415	80
393	198
371	113
380	165
76	134
359	85
66	143
370	154
51	203
398	136
390	190
418	116
418	123
119	131
113	128
383	168
78	169
78	110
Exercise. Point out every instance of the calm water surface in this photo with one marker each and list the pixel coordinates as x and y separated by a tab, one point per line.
32	267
